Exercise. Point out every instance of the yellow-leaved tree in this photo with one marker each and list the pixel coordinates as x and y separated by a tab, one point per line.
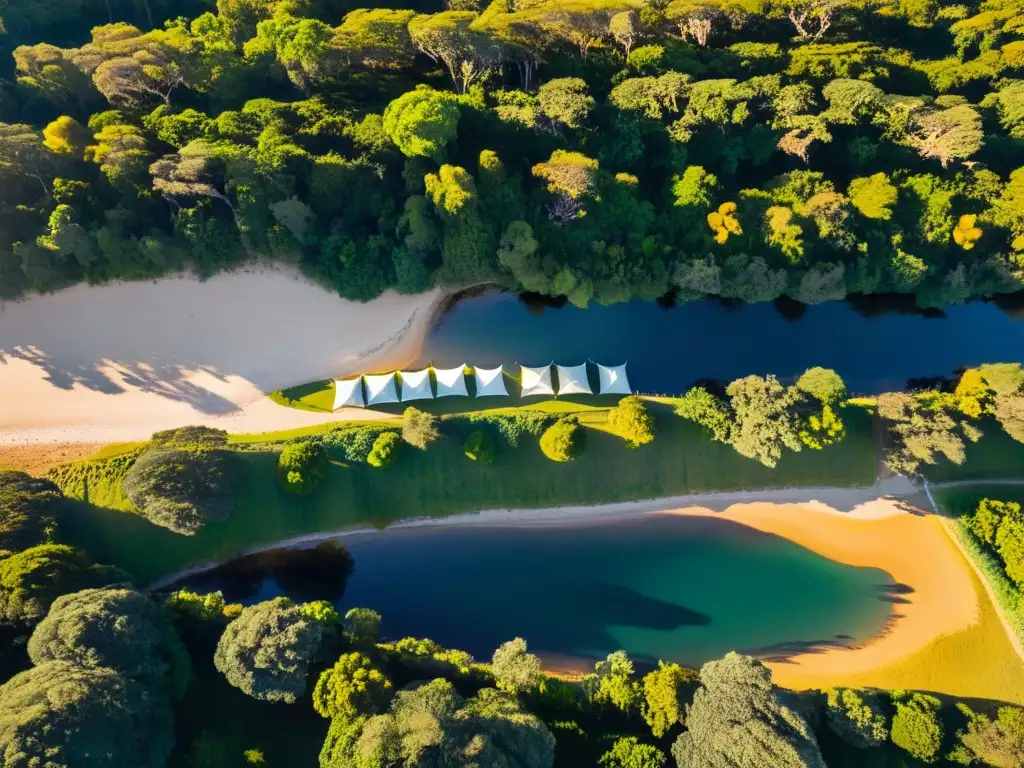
723	222
966	233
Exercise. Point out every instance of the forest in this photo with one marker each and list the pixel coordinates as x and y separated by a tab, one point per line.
595	149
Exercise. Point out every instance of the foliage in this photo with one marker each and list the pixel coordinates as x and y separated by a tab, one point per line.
1000	526
631	421
737	720
302	466
856	717
352	687
563	440
664	690
764	418
515	670
361	627
28	510
479	446
266	651
182	489
62	715
419	428
32	579
385	450
920	427
700	406
204	607
612	682
823	384
628	752
916	725
997	742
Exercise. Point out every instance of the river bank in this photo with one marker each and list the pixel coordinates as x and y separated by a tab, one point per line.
115	363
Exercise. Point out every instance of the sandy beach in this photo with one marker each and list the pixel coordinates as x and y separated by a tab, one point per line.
117	362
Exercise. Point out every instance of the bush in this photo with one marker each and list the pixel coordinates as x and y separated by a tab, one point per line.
823	384
182	489
515	426
855	717
479	446
384	451
419	429
302	467
563	440
28	509
186	437
916	726
632	421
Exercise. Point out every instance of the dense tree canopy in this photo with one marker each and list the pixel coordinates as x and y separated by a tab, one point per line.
809	148
28	509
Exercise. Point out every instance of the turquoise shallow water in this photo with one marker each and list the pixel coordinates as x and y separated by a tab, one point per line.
660	587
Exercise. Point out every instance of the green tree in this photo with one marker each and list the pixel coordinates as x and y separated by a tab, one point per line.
873	196
764	418
563	440
565	101
419	428
823	384
63	715
947	134
116	628
916	725
29	508
515	670
361	627
612	682
450	38
856	717
701	407
737	721
631	421
352	687
628	752
422	122
302	467
385	449
998	742
664	690
267	650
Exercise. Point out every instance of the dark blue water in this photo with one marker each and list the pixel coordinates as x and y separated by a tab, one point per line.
877	343
660	587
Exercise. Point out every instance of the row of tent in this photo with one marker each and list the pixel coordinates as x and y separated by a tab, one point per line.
451	382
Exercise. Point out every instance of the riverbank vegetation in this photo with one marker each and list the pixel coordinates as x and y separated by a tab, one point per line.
600	151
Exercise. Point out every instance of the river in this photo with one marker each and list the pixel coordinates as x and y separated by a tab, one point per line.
660	587
877	343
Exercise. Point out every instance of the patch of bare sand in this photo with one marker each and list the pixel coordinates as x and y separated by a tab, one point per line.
938	597
115	363
38	458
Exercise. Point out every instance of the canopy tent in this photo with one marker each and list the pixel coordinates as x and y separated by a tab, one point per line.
537	381
381	389
348	392
572	380
613	381
490	381
451	382
416	385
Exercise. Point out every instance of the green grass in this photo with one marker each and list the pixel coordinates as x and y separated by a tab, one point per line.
441	481
116	449
315	396
996	455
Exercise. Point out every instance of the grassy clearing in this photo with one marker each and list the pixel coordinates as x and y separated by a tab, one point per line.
116	449
996	455
316	396
442	481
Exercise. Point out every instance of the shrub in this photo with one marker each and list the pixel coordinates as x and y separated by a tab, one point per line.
629	752
28	509
824	384
302	467
355	443
515	670
352	687
632	421
185	437
384	450
419	429
515	426
361	627
916	726
563	440
182	489
210	606
855	717
702	407
479	446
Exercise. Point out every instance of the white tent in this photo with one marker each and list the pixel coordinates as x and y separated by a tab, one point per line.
572	380
490	381
416	385
451	382
348	392
537	381
381	389
613	380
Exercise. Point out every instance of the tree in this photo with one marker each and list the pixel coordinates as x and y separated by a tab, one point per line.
920	429
811	18
28	510
631	421
21	154
32	579
856	718
450	39
65	136
351	688
384	450
873	196
737	721
723	222
131	79
565	101
571	176
966	234
947	134
823	384
376	37
664	690
419	428
120	629
422	122
300	46
703	408
515	670
764	421
916	726
584	23
999	742
361	627
563	440
63	715
452	190
694	18
612	682
181	489
628	752
625	27
302	466
267	650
